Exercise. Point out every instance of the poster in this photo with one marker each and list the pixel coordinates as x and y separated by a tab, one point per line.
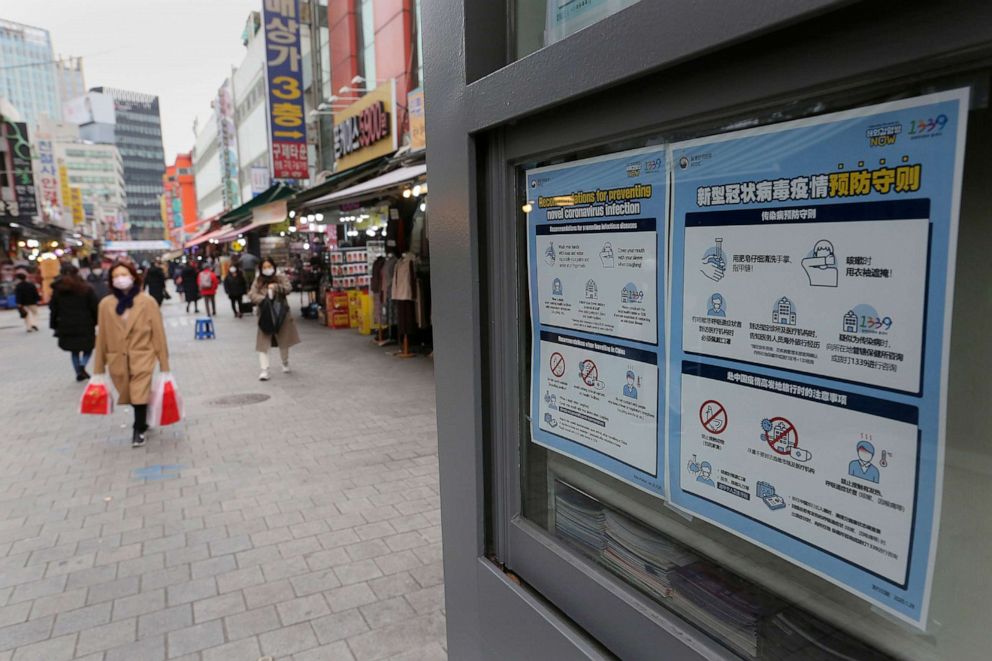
812	268
284	79
596	263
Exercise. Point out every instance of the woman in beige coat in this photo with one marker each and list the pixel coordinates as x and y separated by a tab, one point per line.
130	340
274	286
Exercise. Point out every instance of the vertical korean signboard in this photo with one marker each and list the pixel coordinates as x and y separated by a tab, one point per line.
596	255
812	272
227	134
284	77
24	203
48	175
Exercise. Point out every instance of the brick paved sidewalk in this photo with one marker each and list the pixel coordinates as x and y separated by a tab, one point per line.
303	527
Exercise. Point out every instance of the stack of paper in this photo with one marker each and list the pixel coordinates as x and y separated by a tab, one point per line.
580	519
641	555
724	604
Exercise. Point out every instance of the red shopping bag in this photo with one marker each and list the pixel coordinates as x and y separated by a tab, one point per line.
96	399
167	404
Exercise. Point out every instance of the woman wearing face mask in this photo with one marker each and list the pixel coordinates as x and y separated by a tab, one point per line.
130	340
73	311
235	287
275	287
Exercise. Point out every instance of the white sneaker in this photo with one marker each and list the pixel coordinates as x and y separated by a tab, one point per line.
285	368
264	376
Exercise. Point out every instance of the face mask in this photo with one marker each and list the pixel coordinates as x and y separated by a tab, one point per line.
232	270
97	271
123	282
268	272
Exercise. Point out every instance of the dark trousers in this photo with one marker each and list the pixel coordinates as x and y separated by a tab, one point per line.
195	303
79	360
210	304
140	417
236	305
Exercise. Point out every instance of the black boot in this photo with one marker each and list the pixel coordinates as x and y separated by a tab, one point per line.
138	439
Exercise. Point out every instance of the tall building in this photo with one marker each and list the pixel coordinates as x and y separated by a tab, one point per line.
179	199
137	133
28	75
71	81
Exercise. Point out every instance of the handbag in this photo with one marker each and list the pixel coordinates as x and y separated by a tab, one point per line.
166	404
96	399
271	315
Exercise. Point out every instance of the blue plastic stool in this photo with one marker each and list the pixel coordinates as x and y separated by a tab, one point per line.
204	329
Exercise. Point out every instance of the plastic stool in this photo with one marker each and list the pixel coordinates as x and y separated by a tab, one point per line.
204	329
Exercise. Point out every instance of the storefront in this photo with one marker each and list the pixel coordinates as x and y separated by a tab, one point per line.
711	358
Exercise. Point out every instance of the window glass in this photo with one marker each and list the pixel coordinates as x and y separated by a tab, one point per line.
367	43
749	599
539	23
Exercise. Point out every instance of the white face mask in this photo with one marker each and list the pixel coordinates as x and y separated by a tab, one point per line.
123	282
98	271
268	272
232	270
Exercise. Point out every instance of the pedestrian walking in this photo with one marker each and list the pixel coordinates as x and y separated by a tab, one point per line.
191	291
154	282
73	314
97	279
275	322
235	287
26	297
208	282
248	263
130	341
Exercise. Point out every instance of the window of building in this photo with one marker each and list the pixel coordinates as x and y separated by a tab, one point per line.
418	43
366	43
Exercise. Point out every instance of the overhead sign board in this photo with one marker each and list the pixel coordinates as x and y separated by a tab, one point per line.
367	129
284	82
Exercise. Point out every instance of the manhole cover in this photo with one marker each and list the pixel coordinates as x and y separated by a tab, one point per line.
239	400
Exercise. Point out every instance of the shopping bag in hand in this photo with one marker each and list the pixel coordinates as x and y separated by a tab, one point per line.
96	399
166	406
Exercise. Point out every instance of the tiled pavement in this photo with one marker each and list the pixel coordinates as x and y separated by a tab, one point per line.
302	527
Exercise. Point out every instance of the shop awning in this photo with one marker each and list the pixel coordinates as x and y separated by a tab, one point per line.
263	215
275	192
372	186
206	236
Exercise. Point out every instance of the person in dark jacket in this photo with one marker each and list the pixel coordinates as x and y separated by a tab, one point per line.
235	287
191	290
73	308
154	281
97	279
27	298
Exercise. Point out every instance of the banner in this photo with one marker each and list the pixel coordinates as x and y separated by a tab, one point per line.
227	136
596	262
284	78
812	273
418	127
24	205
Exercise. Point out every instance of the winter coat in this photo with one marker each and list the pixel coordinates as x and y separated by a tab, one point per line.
99	284
235	285
73	317
214	282
128	348
287	335
26	293
190	289
155	283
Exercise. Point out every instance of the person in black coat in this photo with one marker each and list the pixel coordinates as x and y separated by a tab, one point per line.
235	286
98	281
191	290
27	298
154	282
73	309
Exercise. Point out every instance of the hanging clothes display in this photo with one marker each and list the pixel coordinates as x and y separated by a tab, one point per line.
404	291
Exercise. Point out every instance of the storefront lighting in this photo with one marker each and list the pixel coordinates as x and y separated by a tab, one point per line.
527	208
306	246
423	206
423	188
282	234
241	236
407	192
32	243
370	232
292	230
15	225
320	217
32	257
76	235
292	214
21	244
352	232
59	252
416	190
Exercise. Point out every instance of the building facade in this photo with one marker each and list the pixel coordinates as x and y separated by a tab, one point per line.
179	211
28	74
71	80
138	137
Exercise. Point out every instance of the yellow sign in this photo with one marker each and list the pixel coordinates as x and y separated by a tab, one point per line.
367	129
418	128
64	192
78	213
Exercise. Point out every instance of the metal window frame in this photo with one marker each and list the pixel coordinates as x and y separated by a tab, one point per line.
679	64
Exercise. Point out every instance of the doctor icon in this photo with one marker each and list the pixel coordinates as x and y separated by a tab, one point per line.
862	468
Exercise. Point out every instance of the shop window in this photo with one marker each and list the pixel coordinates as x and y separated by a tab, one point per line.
366	43
540	23
787	547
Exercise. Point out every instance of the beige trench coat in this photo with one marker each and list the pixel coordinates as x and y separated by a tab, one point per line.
287	335
129	348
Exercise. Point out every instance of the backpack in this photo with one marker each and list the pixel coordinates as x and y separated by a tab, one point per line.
204	280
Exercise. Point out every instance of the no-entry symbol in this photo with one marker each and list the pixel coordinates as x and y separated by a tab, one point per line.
782	436
589	373
713	416
557	364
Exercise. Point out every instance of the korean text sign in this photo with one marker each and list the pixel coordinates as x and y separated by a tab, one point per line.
596	255
812	269
284	78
